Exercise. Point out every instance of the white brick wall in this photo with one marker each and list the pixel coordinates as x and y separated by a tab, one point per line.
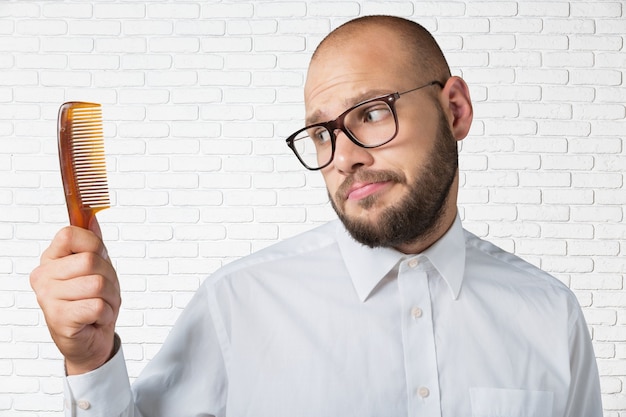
198	97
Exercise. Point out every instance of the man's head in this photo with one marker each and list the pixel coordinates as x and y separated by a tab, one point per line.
403	193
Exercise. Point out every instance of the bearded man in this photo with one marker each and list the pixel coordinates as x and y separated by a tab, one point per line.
392	310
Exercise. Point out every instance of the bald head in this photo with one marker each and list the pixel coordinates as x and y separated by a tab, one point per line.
421	51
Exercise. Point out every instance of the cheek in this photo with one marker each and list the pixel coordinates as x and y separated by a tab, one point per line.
332	179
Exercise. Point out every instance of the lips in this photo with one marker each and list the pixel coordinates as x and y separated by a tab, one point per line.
366	183
361	190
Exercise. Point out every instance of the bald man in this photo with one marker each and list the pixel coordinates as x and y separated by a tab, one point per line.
391	310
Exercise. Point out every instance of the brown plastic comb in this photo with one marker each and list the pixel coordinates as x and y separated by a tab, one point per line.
81	154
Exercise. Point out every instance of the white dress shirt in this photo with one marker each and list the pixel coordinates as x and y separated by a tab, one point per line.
319	325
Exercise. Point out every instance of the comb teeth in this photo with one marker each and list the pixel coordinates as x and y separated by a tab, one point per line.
87	148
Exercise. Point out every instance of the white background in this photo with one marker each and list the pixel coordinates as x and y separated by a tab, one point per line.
198	97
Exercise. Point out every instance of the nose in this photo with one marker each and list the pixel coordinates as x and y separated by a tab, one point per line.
348	155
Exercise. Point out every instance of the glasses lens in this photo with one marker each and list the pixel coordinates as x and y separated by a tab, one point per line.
313	146
372	123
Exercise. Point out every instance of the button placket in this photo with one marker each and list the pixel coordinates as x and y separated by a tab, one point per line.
418	338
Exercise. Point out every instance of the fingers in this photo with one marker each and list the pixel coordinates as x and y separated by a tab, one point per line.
70	240
69	319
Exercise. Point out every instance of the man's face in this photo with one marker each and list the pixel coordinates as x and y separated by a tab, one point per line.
395	194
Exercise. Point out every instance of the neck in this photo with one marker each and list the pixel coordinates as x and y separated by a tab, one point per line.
440	228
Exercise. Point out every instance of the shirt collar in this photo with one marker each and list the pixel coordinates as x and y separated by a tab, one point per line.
368	266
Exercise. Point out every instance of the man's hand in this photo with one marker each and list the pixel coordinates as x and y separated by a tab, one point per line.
78	291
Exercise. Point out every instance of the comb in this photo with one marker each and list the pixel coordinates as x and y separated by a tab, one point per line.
81	156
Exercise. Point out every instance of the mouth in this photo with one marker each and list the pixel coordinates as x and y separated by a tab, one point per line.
361	190
365	184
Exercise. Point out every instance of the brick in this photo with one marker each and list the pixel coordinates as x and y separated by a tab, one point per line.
568	59
595	43
566	265
147	61
224	78
542	42
563	128
179	10
18	78
196	198
598	180
249	62
516	59
119	11
171	78
81	62
283	43
594	9
568	196
252	231
464	25
596	77
81	10
222	44
177	45
557	111
21	9
515	195
567	162
567	230
225	248
194	129
541	247
47	27
492	8
113	79
121	45
245	95
283	9
544	9
248	130
248	164
172	112
67	44
239	10
95	27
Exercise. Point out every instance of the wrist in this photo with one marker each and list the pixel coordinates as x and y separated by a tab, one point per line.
79	368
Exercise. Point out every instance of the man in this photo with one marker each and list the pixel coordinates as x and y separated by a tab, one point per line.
393	311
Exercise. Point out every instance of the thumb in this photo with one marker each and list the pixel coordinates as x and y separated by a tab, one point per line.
94	226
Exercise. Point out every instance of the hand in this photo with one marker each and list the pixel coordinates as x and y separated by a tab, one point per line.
78	291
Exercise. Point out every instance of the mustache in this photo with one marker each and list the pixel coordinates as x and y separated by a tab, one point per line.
368	176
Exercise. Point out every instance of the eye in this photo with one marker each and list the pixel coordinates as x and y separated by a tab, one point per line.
376	113
320	135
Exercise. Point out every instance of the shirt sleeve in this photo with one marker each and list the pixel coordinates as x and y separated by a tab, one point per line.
584	398
104	392
187	377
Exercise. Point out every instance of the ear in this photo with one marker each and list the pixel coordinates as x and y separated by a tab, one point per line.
458	106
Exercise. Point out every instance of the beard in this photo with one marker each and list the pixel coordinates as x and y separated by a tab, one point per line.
416	215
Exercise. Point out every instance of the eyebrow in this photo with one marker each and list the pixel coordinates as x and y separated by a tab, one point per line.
318	116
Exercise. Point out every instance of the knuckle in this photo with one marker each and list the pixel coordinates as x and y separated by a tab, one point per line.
96	284
64	236
88	260
98	307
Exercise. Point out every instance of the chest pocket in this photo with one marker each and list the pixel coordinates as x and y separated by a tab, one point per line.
494	402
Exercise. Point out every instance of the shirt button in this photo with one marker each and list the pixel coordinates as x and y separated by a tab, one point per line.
423	392
413	263
416	312
83	404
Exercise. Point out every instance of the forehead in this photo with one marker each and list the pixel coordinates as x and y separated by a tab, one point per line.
346	73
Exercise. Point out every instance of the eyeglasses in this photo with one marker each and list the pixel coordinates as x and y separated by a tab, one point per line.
368	124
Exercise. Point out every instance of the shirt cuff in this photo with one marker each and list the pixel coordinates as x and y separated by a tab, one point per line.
103	392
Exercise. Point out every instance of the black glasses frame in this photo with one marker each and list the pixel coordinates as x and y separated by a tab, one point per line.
332	125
